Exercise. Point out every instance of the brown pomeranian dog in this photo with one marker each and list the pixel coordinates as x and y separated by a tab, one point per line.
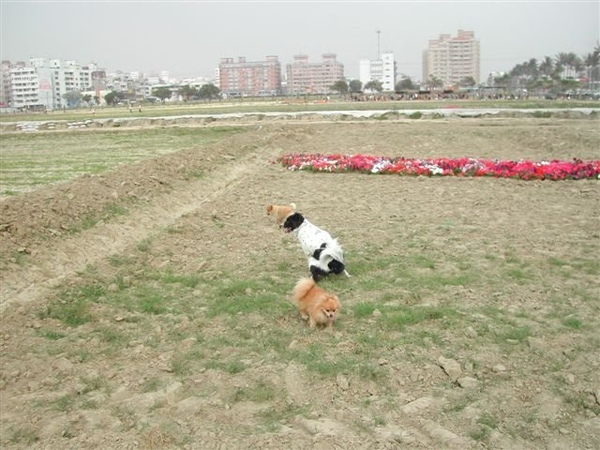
281	212
316	305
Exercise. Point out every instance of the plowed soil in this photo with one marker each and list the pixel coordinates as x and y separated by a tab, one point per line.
541	393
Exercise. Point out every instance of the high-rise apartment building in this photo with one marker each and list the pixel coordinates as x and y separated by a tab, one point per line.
452	59
250	78
304	77
382	69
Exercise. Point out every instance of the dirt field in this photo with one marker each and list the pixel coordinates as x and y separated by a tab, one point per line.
470	321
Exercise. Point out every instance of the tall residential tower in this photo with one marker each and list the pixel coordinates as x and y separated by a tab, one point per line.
452	59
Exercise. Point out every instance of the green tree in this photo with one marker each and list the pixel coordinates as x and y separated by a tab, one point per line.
355	86
73	99
546	67
531	68
434	82
501	80
374	86
405	84
113	97
340	86
162	93
591	62
569	62
467	82
209	91
187	92
87	98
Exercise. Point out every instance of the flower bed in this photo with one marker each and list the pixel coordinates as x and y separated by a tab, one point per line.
461	167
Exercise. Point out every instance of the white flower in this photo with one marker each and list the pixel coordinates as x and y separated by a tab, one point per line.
434	169
378	167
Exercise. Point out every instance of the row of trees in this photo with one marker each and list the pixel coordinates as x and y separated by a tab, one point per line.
205	92
557	74
560	73
187	92
405	84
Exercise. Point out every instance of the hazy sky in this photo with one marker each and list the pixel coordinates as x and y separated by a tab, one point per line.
188	38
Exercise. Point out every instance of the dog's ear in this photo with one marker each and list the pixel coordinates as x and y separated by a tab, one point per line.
269	209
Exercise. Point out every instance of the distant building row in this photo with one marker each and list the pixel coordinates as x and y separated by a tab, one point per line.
264	78
447	60
46	84
49	84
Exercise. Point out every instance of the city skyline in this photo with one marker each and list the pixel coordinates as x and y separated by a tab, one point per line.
188	39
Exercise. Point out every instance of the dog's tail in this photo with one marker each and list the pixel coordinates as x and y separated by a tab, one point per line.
303	287
293	206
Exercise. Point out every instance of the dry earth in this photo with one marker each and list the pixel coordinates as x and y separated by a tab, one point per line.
437	394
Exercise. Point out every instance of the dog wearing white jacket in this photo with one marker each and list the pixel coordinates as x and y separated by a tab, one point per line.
325	255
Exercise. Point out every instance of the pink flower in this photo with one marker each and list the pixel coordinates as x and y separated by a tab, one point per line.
523	169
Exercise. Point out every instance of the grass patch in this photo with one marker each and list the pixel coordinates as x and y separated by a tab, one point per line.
52	334
258	392
232	296
519	334
31	160
23	435
64	403
231	367
572	323
126	416
189	280
423	261
363	309
151	384
110	211
120	260
144	245
273	417
152	304
71	313
398	317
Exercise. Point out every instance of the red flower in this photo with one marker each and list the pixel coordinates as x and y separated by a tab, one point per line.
524	169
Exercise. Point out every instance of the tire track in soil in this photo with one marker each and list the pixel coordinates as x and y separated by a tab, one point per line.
54	264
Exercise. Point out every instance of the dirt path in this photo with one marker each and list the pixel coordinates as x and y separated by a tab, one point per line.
54	264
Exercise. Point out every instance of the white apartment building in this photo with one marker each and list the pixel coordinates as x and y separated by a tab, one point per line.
45	84
383	70
452	59
24	87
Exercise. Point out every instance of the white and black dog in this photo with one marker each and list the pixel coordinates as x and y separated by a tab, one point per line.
325	254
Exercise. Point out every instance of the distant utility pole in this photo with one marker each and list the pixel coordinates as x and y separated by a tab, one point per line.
378	44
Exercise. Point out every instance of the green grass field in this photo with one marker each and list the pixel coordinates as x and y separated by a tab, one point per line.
31	160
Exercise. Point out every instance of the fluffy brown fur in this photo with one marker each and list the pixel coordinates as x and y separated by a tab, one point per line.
281	212
316	305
